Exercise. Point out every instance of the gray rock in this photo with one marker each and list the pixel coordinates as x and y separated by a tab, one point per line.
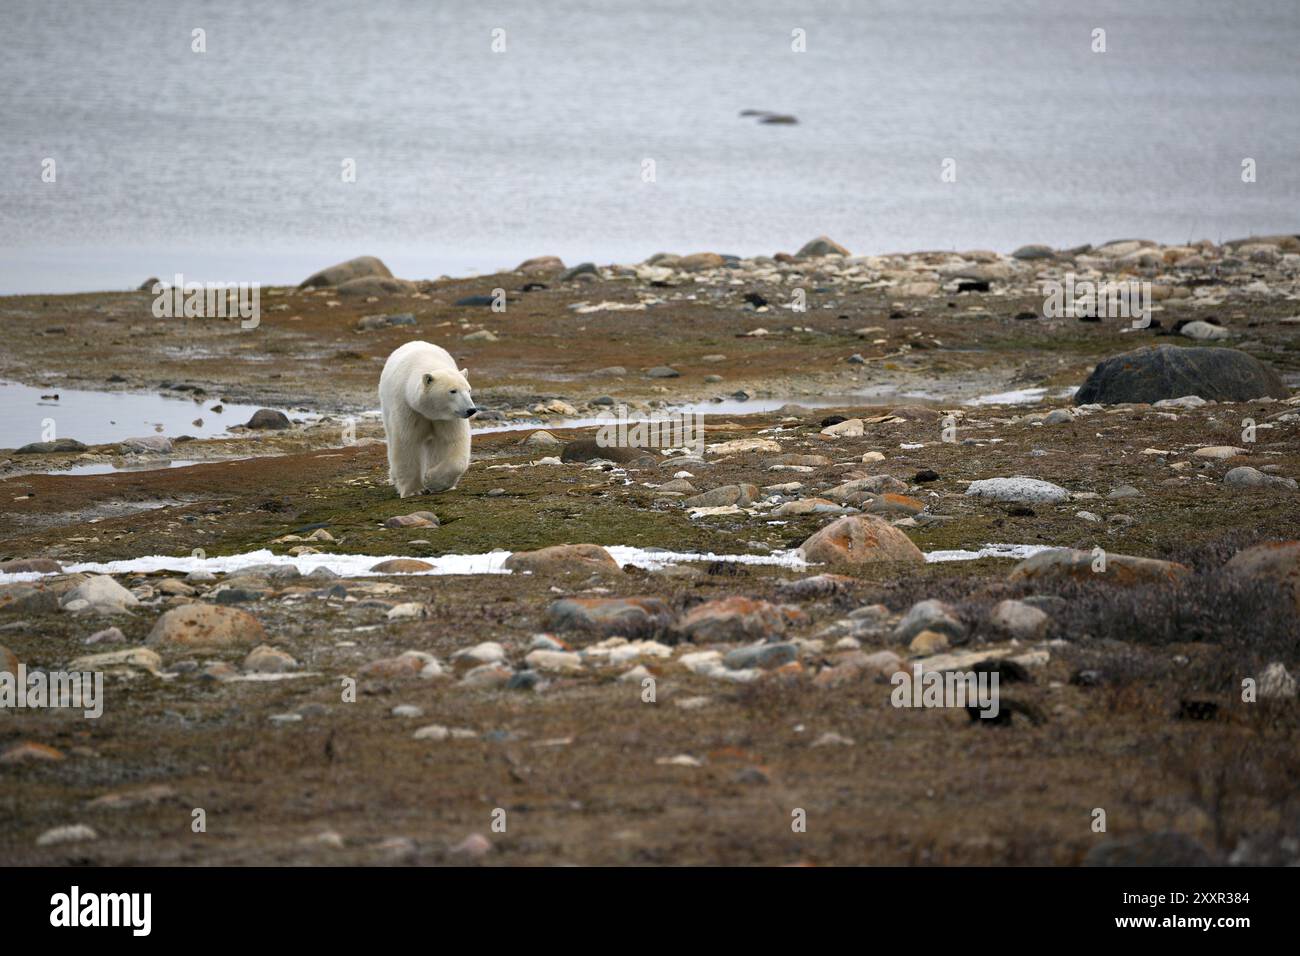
100	594
51	447
1034	252
1149	375
1019	489
930	616
269	418
1244	476
1204	331
360	267
760	655
1020	620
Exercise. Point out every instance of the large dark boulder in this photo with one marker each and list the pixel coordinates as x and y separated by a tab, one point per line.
1167	371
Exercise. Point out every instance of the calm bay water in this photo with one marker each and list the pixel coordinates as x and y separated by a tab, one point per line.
226	165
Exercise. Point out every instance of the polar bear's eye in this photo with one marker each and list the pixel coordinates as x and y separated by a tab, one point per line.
453	391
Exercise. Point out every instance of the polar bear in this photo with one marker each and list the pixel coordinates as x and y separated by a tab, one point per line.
427	406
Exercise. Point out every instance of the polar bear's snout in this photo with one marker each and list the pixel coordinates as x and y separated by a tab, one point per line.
470	412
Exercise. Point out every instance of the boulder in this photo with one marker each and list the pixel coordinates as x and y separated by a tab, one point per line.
628	617
376	285
101	595
860	539
733	619
269	418
1020	490
207	627
539	265
564	559
1122	569
1276	562
822	246
1149	375
360	267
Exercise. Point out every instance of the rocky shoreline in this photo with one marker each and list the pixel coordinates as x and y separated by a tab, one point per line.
921	406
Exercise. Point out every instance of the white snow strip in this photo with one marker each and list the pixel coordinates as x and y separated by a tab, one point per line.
359	565
1017	551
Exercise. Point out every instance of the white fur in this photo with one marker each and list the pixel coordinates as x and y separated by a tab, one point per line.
425	398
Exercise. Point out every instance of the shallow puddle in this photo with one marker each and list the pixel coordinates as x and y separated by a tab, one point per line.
96	418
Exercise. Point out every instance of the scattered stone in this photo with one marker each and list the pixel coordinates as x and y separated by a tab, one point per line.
416	519
30	566
1219	452
408	610
860	539
1019	620
732	619
590	449
930	615
927	643
401	566
206	627
1204	331
564	559
1276	683
1019	490
1245	476
407	664
265	659
565	662
629	617
28	752
740	495
1121	569
100	595
51	447
73	833
849	428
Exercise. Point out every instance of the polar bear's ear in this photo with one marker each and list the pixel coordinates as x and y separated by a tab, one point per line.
465	372
428	379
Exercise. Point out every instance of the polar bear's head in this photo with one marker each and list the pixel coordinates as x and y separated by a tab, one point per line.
444	395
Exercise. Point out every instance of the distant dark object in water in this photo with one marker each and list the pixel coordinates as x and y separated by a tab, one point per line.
926	474
973	285
830	420
770	118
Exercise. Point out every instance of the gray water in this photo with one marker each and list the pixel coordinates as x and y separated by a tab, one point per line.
226	165
101	417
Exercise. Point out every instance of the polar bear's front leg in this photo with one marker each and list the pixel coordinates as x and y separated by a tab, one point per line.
405	463
446	455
